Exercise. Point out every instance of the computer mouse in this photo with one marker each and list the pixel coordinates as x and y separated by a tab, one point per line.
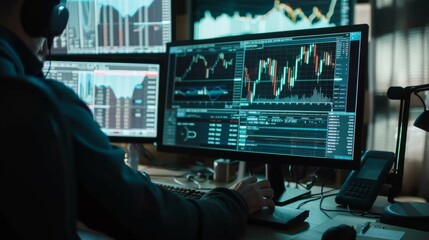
342	231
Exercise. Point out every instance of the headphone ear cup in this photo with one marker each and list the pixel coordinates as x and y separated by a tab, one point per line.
59	19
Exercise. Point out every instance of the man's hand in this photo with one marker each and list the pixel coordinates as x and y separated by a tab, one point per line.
257	194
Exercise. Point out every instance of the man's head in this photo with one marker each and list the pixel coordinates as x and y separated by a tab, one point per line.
34	20
44	18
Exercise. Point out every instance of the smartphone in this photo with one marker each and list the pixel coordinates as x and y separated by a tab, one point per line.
362	186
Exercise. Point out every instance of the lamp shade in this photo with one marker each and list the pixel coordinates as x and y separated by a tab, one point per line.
422	121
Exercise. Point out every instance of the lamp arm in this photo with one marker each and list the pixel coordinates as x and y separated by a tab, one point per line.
400	93
398	167
419	88
404	95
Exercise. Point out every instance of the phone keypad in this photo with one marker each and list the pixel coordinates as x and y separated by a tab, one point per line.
358	189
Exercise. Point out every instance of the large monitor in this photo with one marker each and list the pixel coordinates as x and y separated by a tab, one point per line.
237	17
293	97
123	97
116	26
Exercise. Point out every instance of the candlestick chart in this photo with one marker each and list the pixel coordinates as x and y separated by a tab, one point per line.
300	74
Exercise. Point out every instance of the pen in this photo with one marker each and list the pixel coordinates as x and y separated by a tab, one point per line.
366	227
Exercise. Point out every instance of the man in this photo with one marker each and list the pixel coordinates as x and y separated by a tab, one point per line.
112	197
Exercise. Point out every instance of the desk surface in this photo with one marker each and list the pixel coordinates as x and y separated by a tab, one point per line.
318	220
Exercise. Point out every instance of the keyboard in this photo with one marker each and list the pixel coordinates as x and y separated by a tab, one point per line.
182	191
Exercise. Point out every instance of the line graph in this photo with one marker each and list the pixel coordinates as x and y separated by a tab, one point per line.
114	80
209	67
116	26
296	73
247	17
125	7
211	92
139	23
119	105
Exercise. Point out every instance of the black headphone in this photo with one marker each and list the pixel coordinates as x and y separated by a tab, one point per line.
44	18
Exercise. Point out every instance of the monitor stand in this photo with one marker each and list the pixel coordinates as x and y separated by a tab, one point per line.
282	195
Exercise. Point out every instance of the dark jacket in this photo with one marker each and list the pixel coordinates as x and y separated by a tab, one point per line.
112	197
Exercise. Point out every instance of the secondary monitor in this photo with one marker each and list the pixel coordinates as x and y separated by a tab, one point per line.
116	27
238	17
293	97
123	97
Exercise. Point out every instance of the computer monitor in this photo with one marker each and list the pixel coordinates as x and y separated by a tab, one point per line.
115	27
123	97
210	19
293	97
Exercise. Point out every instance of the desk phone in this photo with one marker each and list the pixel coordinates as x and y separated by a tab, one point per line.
362	186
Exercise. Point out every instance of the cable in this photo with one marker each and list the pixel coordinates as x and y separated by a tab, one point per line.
354	212
193	179
307	201
421	99
314	197
362	213
196	177
49	62
322	196
186	185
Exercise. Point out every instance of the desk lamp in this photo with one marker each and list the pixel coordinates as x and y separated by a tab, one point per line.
406	214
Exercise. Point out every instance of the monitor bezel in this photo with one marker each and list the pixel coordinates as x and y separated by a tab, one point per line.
273	158
194	3
126	58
